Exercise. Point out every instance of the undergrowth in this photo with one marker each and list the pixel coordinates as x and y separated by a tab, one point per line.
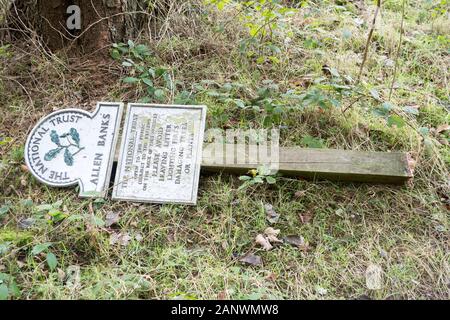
284	64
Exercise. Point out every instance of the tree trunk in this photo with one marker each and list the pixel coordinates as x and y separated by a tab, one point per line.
101	22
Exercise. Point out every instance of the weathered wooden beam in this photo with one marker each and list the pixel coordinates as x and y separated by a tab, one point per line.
329	164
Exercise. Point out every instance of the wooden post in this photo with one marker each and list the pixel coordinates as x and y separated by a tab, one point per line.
329	164
339	165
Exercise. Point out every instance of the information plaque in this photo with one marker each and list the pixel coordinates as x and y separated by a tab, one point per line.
160	154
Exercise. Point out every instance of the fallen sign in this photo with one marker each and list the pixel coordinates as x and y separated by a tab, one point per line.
160	154
162	151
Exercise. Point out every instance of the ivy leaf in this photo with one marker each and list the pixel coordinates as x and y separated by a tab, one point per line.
424	131
148	82
115	54
26	203
160	71
213	93
142	71
55	138
258	179
98	221
13	288
151	72
4	247
51	261
43	207
311	142
57	215
383	110
346	34
168	79
40	248
4	209
396	120
4	292
130	80
271	180
239	103
75	136
185	97
93	194
52	154
142	49
159	94
414	110
68	157
263	171
145	99
374	93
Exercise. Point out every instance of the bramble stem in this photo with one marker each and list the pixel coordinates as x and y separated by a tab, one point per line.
398	51
369	37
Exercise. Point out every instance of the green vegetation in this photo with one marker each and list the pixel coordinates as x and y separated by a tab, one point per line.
267	63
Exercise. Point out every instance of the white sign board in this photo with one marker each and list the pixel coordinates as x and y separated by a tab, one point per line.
160	154
72	146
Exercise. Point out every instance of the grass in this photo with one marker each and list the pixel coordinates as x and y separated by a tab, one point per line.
192	252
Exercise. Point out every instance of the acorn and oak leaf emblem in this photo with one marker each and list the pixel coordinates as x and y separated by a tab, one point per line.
64	142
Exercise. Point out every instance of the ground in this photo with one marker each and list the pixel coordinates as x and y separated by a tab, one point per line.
54	245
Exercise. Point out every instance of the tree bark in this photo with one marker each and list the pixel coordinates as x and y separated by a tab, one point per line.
102	22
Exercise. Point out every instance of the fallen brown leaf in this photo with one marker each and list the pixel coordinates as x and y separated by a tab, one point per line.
272	234
442	128
111	218
411	163
271	214
61	275
297	241
222	295
263	242
374	277
306	217
303	82
251	259
300	193
272	277
119	238
138	237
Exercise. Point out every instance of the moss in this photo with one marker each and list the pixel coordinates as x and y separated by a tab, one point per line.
19	238
433	116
